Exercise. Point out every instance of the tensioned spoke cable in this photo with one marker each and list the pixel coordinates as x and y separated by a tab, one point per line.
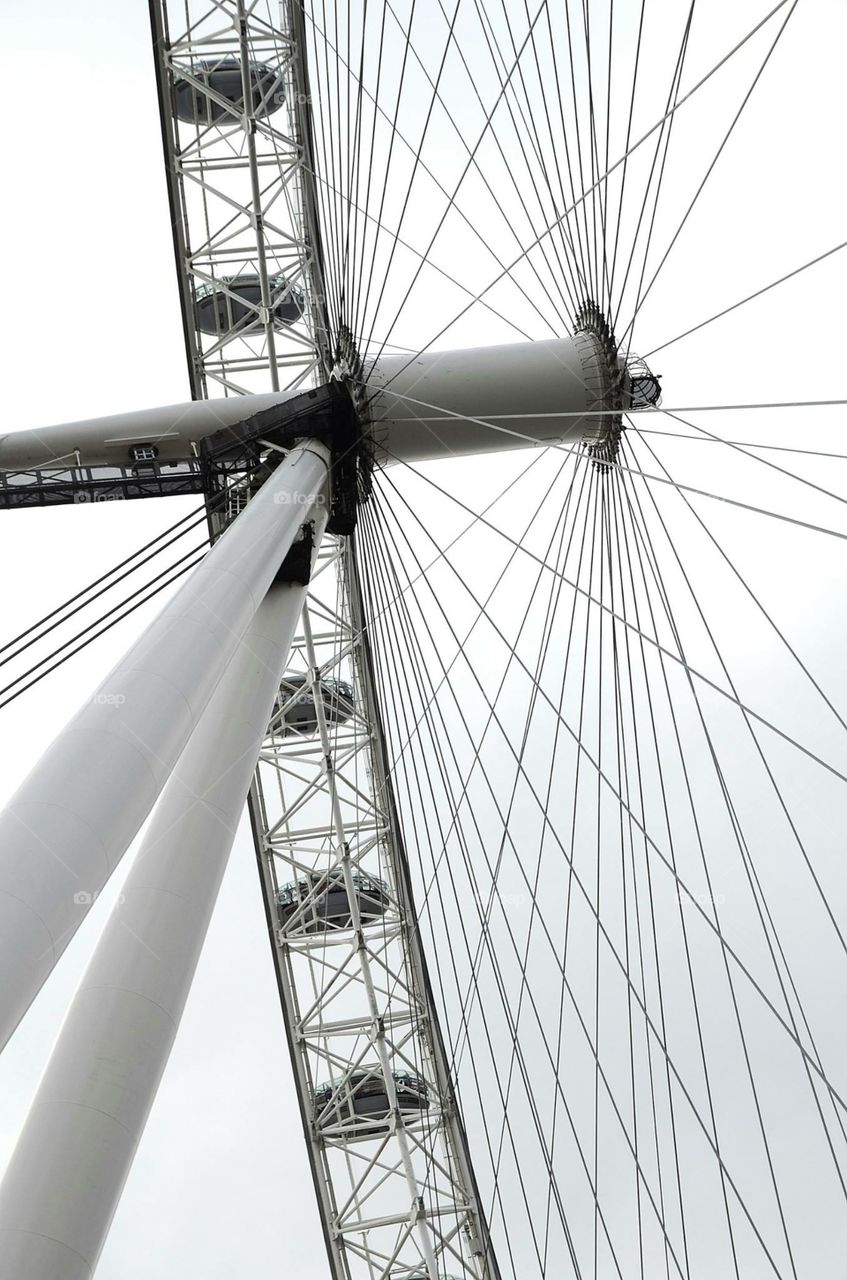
454	808
466	169
580	203
581	248
474	229
623	775
547	632
758	293
651	917
364	207
91	625
658	756
577	261
690	897
574	805
381	343
369	582
527	119
353	162
643	294
571	264
642	536
107	627
622	193
607	155
197	517
336	135
594	159
332	215
581	200
607	1088
732	502
761	404
743	444
598	880
329	103
663	138
700	1037
394	648
479	169
630	626
495	420
765	462
763	911
760	752
415	166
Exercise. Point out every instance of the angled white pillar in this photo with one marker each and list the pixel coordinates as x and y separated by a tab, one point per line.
71	820
68	1170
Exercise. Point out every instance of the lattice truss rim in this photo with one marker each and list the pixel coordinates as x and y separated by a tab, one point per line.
236	189
325	972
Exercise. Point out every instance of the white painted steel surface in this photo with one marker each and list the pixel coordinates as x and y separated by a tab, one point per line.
173	428
72	819
516	392
435	405
68	1169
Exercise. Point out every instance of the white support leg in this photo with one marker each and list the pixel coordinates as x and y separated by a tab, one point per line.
66	828
66	1175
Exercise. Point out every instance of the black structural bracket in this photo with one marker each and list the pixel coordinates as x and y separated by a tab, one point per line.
252	447
297	565
324	413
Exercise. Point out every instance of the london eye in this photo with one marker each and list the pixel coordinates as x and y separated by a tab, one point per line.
425	719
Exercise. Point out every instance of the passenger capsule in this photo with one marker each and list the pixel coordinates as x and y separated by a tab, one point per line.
329	908
360	1099
297	697
222	76
218	310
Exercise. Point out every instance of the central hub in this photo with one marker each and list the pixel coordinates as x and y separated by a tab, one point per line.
616	380
448	403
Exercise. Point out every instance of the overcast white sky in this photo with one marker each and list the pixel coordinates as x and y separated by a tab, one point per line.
90	325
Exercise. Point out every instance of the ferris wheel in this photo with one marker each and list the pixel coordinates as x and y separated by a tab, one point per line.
512	608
